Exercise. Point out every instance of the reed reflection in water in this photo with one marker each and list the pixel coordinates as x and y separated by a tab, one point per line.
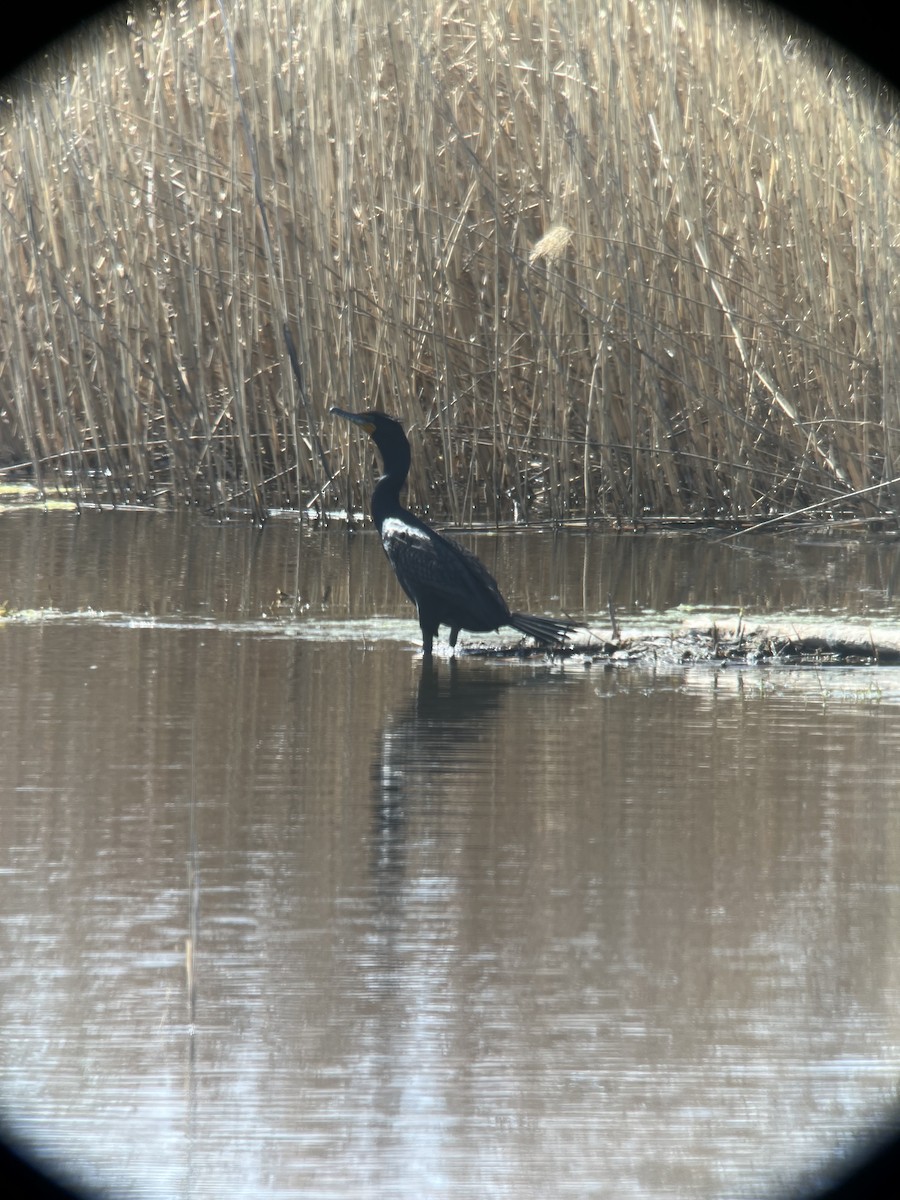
475	929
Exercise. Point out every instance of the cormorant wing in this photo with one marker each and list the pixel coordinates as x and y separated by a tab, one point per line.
427	562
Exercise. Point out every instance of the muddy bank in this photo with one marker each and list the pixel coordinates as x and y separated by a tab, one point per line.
806	640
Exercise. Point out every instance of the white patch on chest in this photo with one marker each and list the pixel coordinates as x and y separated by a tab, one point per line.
393	527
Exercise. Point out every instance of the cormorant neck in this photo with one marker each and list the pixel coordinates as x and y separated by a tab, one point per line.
386	496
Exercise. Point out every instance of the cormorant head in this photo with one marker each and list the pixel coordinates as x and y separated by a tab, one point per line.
386	432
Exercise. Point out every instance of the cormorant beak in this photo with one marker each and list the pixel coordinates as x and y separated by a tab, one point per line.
357	418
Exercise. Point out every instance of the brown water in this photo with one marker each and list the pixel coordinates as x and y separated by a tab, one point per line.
286	912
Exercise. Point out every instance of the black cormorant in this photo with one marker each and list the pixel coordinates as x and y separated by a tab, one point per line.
447	584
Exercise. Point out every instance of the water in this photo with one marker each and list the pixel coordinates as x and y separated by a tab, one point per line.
287	912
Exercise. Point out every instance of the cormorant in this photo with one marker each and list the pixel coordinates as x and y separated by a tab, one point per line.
447	584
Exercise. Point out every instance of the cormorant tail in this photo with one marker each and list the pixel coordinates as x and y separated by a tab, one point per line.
542	629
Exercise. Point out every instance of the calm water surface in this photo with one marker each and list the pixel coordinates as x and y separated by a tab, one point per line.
287	912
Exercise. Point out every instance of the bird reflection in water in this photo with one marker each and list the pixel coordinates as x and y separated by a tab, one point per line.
423	747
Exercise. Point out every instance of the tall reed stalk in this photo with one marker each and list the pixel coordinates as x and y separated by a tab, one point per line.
607	262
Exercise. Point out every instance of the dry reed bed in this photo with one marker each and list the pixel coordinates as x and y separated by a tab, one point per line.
608	263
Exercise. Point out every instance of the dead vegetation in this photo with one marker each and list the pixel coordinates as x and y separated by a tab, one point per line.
818	644
612	262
